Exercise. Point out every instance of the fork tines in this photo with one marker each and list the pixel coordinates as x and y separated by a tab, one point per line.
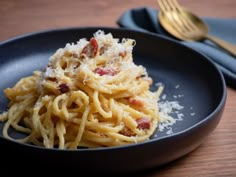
173	11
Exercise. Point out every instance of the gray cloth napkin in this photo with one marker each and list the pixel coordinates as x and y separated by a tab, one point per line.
145	19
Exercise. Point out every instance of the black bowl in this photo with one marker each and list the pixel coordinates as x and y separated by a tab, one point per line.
188	76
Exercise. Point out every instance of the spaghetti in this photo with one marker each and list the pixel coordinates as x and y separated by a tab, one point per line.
91	94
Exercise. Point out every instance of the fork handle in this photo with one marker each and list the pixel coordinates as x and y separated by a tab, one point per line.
223	44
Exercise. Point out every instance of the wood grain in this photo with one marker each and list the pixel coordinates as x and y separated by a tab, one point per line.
217	155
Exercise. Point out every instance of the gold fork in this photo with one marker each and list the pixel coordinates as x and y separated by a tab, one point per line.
184	25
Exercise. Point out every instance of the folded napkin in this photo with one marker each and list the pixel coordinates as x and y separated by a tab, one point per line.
145	19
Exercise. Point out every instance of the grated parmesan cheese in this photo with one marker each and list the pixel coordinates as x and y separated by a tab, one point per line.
170	112
168	107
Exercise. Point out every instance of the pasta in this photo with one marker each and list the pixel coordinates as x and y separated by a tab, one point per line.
91	94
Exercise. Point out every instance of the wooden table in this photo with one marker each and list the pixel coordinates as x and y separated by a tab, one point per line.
217	155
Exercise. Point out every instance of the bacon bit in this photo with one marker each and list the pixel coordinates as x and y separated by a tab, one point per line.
105	71
90	49
126	132
136	102
54	120
123	54
63	88
143	123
